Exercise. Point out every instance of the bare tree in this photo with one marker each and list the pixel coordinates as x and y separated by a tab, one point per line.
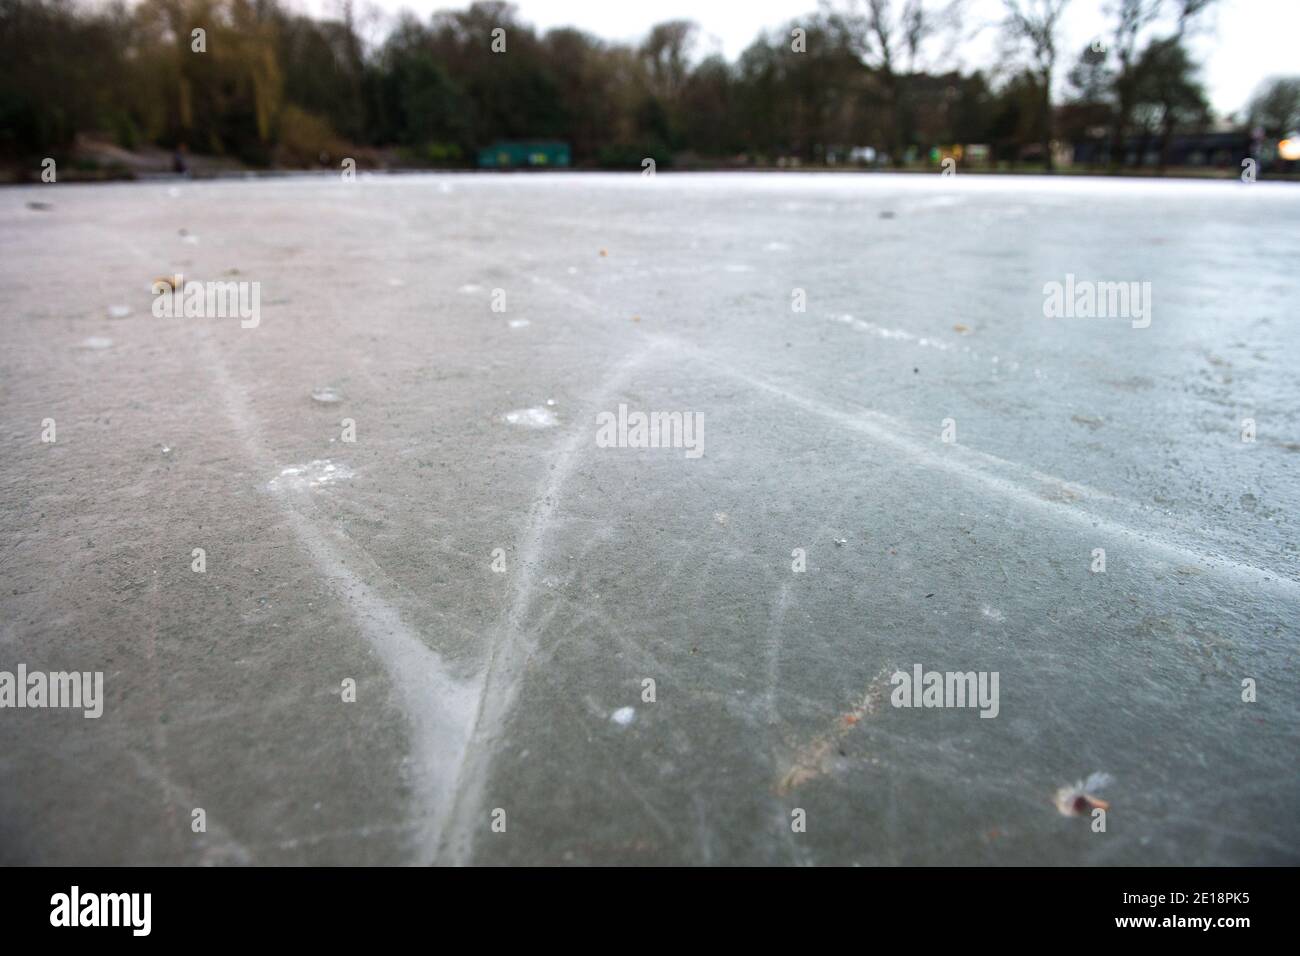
1131	18
1185	14
1187	11
1034	23
667	54
888	38
1275	106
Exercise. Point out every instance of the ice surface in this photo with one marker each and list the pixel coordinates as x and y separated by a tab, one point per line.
479	688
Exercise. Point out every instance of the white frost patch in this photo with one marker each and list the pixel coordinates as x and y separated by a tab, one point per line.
992	613
1098	781
96	342
532	418
519	323
738	267
470	288
896	334
623	716
777	247
936	202
118	311
314	474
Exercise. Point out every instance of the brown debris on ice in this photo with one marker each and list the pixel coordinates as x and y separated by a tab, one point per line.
812	758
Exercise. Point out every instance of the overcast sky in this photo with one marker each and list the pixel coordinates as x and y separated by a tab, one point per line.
1242	41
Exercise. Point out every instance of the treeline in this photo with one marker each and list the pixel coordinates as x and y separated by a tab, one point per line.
250	80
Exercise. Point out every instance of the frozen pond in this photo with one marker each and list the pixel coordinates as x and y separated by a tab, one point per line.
874	451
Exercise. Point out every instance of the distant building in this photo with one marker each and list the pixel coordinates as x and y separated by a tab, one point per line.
1223	150
524	155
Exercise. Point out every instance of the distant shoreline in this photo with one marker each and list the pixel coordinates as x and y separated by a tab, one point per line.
12	175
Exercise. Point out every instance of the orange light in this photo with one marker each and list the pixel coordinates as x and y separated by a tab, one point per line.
1289	149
